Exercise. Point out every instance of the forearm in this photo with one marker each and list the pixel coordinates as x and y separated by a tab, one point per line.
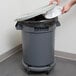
72	2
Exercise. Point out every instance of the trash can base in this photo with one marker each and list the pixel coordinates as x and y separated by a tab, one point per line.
39	69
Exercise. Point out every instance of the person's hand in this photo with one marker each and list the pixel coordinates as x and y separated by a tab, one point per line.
52	1
66	8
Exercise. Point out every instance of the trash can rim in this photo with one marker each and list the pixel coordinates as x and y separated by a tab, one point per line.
40	21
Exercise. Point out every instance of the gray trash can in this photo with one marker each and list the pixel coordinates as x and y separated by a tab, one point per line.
38	36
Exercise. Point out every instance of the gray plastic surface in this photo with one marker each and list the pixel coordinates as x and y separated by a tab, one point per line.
42	10
38	41
38	49
39	69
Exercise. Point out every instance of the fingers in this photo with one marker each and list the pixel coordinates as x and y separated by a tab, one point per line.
66	8
58	1
51	2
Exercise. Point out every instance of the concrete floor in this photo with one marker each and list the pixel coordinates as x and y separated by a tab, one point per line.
13	67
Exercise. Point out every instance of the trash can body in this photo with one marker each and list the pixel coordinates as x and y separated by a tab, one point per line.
38	43
38	48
